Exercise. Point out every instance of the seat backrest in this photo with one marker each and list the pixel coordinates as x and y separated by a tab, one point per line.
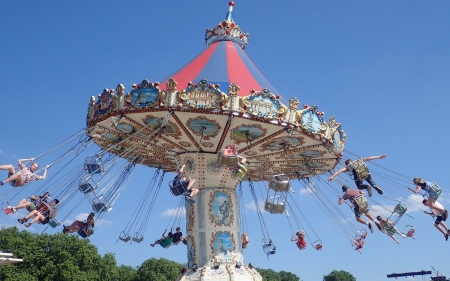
361	169
362	203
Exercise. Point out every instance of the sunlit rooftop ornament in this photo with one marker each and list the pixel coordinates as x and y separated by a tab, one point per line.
227	30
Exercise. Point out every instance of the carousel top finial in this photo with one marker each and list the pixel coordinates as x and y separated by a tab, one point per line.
227	30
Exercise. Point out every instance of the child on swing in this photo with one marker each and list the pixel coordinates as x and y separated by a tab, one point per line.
231	151
300	239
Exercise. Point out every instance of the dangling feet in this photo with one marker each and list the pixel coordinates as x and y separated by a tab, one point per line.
379	190
1	183
446	237
21	220
379	226
398	242
369	190
27	224
370	227
65	229
403	235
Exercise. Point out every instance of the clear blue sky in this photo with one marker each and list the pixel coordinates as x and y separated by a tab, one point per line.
381	67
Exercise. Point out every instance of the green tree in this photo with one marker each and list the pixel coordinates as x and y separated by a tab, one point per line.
288	276
126	273
340	275
53	257
158	270
269	274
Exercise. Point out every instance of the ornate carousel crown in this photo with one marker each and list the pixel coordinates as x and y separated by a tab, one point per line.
227	30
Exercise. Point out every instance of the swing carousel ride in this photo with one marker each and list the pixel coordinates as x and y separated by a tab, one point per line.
217	103
217	100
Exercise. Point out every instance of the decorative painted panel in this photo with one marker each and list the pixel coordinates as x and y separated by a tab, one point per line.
223	245
221	208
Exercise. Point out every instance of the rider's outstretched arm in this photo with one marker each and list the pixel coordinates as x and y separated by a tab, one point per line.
374	157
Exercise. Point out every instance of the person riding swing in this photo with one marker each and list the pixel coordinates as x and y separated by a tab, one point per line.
24	174
184	186
360	172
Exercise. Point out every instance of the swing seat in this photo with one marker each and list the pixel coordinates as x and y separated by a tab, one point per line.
400	209
274	208
124	237
138	239
361	169
362	204
228	161
177	190
85	187
269	248
7	211
411	233
280	183
436	189
389	228
54	223
93	168
83	234
99	207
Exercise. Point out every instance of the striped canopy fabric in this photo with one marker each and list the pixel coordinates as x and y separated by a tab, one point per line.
222	63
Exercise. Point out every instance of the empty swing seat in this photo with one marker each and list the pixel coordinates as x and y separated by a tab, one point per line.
85	187
400	209
361	169
269	248
99	207
280	183
93	168
54	223
124	237
138	239
274	208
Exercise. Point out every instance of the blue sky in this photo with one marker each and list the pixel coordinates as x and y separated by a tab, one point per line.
381	67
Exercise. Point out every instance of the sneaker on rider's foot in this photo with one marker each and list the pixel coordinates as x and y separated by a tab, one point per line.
379	226
379	190
13	210
370	227
446	237
403	235
445	215
398	242
369	190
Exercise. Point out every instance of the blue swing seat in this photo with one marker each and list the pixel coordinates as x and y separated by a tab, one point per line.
93	168
269	248
85	187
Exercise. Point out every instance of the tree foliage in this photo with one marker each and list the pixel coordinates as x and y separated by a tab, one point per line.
53	257
158	269
271	275
67	257
340	275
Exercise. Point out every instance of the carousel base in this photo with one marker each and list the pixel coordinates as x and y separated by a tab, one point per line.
223	273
